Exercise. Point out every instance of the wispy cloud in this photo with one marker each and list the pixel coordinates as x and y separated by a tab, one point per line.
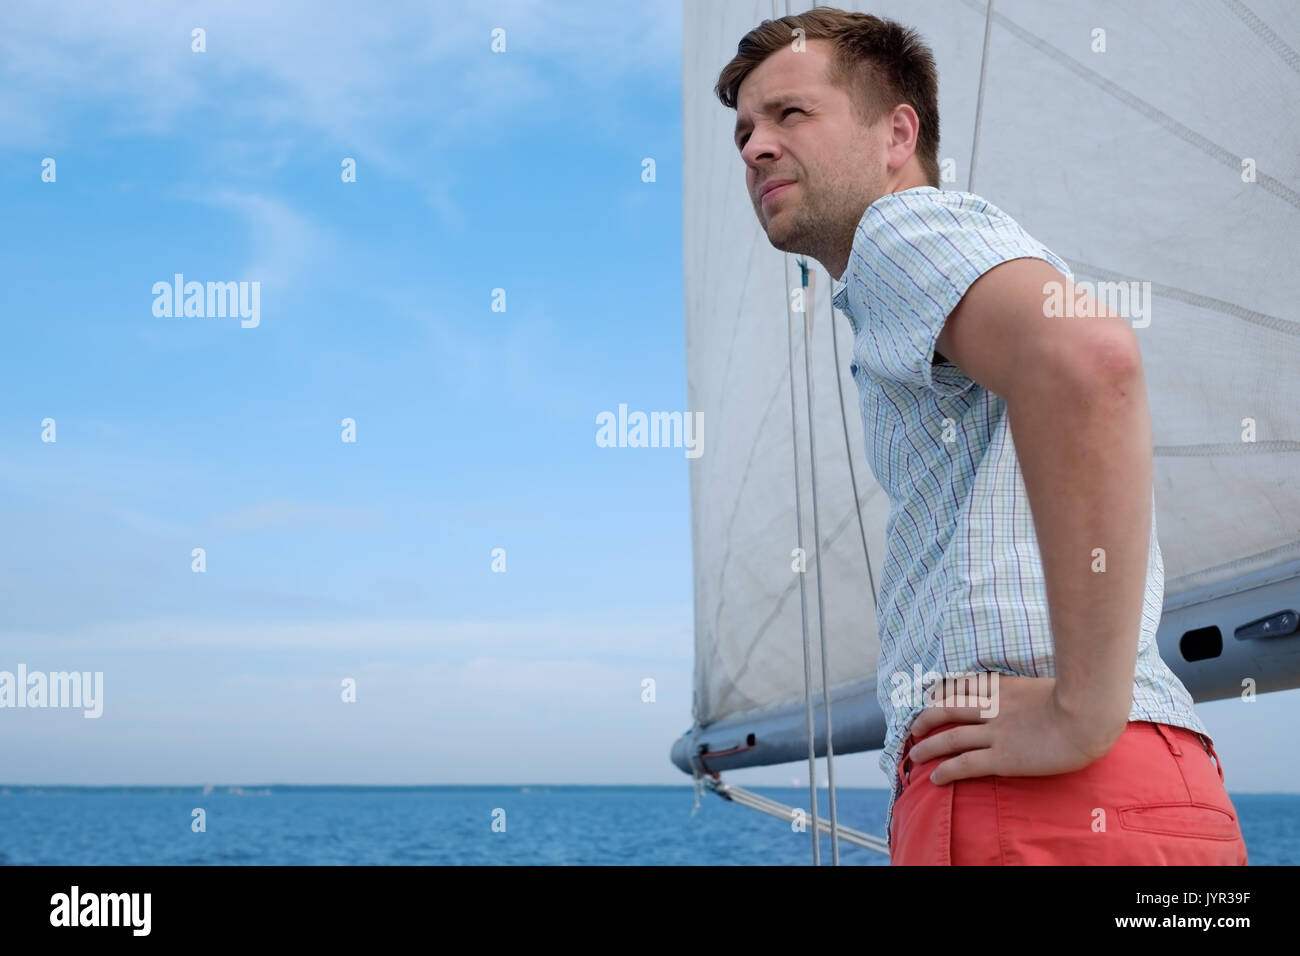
282	241
475	424
320	68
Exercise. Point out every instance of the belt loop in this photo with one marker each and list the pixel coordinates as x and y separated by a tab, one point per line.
1167	734
1209	749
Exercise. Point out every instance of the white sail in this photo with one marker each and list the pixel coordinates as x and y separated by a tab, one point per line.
1150	142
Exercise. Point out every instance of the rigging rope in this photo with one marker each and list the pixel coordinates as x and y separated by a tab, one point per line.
803	598
848	456
979	100
817	555
763	804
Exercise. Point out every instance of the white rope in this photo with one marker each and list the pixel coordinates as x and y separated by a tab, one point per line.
979	100
763	804
848	455
817	548
817	557
803	598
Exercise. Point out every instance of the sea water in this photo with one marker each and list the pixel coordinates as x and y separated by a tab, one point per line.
497	825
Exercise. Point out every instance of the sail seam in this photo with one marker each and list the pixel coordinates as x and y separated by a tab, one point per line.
1185	133
1228	448
1276	323
1265	33
979	98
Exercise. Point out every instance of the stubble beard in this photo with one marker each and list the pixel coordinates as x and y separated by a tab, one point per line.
805	226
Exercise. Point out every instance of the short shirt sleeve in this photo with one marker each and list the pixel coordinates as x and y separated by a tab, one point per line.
915	253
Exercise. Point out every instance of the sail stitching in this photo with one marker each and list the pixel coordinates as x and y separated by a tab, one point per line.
1185	133
1265	33
1276	323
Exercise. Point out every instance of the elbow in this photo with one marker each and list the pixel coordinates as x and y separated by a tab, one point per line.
1104	360
1113	355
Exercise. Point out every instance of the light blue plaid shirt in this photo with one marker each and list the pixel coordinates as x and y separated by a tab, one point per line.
962	588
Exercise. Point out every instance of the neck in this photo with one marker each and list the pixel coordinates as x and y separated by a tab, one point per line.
838	261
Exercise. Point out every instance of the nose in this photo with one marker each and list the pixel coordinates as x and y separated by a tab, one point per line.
760	146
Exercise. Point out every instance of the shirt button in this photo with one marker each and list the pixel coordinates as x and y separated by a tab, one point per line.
853	369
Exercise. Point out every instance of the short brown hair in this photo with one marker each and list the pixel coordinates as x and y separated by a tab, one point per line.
878	62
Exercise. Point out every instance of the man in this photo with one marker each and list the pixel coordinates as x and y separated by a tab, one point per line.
1015	447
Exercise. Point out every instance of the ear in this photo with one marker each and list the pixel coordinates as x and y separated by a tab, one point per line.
904	127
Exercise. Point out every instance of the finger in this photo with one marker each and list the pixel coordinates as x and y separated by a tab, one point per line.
956	740
932	717
950	693
969	689
972	763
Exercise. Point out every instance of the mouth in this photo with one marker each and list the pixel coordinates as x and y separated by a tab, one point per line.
773	189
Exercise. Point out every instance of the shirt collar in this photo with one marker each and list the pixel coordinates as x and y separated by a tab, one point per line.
840	289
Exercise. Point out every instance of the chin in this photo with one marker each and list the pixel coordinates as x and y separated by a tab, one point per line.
785	243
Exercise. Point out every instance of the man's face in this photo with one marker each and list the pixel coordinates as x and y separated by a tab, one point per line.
793	125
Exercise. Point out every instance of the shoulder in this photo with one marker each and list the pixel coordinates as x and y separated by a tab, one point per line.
935	217
915	255
938	238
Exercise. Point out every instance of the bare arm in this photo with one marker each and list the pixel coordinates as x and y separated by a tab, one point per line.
1077	407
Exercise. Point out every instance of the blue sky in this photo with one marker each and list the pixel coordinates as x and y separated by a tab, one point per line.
475	428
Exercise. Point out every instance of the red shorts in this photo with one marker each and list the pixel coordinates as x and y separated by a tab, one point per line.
1155	798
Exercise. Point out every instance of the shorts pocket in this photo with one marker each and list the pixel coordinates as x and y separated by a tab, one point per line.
1198	820
922	830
